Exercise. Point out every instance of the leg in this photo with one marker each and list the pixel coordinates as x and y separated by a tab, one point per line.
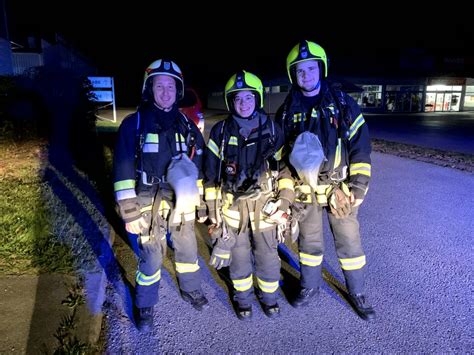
352	259
240	269
267	265
311	247
187	267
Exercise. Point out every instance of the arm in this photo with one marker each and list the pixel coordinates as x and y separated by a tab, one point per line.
124	175
212	162
359	154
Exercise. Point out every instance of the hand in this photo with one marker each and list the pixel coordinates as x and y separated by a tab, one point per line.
137	226
339	203
214	230
220	258
355	201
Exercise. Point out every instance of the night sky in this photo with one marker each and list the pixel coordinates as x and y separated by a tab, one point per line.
123	45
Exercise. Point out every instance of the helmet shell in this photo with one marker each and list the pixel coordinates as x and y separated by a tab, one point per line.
164	67
241	81
303	51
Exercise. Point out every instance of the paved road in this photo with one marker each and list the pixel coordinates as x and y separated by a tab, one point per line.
451	131
417	225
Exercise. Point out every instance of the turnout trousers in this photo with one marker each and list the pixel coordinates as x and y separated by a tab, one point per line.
348	245
150	254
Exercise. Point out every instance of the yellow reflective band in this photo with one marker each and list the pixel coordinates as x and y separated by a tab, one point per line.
286	183
178	137
145	280
212	146
199	183
210	193
146	208
337	159
360	168
152	138
268	287
359	121
353	263
345	189
243	284
164	205
314	113
124	184
232	218
278	154
306	189
310	260
183	268
233	140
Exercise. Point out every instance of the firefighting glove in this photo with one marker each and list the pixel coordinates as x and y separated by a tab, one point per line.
221	255
339	203
137	226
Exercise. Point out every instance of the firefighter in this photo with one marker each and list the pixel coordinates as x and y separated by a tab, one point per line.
241	184
149	142
334	124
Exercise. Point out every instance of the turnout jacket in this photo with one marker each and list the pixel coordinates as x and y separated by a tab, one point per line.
338	122
146	142
235	163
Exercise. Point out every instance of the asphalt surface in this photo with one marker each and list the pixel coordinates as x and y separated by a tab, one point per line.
417	225
451	131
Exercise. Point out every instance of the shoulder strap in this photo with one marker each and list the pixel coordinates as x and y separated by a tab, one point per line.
221	150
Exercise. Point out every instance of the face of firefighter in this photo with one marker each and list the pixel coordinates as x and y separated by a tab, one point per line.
164	91
244	103
307	77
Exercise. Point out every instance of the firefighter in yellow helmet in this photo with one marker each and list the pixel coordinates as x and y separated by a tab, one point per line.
148	145
318	115
242	172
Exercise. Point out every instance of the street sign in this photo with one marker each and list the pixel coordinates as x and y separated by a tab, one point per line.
104	91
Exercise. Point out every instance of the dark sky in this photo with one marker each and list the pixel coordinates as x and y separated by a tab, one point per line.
122	45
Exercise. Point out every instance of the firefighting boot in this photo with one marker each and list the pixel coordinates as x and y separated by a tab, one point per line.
304	296
362	307
196	298
243	312
145	319
271	311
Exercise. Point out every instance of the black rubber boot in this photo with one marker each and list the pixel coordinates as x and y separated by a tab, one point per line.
196	298
304	296
271	311
145	319
243	312
362	307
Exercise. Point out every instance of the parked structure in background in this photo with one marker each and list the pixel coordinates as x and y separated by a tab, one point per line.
35	52
429	94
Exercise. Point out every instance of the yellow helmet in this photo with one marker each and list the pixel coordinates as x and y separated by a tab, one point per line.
165	67
241	81
303	51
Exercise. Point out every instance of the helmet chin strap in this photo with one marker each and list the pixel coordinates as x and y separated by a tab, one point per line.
162	108
317	86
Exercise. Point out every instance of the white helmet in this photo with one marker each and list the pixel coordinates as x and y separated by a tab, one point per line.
164	67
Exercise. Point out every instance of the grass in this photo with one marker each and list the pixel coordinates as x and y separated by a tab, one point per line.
104	126
26	242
